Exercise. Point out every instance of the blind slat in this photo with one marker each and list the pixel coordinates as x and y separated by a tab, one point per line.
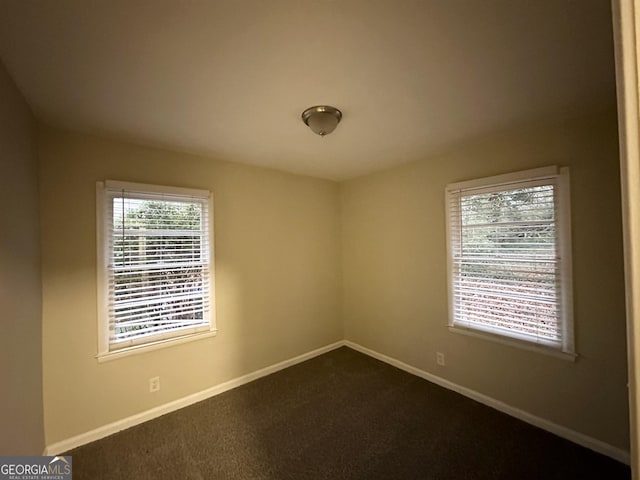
502	296
152	315
549	288
161	331
534	334
149	301
126	269
542	317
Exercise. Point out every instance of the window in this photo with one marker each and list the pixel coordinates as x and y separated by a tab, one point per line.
155	265
509	257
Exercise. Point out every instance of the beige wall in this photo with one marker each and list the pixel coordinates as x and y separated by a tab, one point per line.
626	25
277	278
395	282
20	321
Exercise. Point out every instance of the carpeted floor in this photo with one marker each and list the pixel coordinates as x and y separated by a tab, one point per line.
342	415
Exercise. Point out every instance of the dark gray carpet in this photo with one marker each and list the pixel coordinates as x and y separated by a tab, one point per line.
342	415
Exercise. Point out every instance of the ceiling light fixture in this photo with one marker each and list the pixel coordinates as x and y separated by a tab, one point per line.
322	119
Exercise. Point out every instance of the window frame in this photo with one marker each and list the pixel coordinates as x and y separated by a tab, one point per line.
105	191
559	177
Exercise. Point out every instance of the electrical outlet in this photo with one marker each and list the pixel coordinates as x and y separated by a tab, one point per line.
440	359
154	384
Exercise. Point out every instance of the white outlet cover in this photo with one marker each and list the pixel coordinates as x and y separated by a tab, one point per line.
154	384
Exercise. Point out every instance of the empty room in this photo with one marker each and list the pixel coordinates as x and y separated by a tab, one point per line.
316	239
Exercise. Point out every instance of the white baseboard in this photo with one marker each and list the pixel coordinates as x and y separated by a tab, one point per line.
564	432
111	428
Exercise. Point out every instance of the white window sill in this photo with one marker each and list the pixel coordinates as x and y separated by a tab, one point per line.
513	342
148	347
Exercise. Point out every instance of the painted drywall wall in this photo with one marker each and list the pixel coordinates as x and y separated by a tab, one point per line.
277	278
626	25
20	294
395	279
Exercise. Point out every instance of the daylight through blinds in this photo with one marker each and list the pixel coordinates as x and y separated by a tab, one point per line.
505	261
158	266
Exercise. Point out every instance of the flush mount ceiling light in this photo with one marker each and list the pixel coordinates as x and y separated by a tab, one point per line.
322	119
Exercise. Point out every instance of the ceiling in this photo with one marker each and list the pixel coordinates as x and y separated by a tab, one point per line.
230	78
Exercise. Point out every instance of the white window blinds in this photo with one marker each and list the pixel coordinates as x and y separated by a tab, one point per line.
508	260
157	259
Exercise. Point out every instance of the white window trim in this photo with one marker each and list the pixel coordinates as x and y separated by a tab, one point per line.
104	354
561	177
